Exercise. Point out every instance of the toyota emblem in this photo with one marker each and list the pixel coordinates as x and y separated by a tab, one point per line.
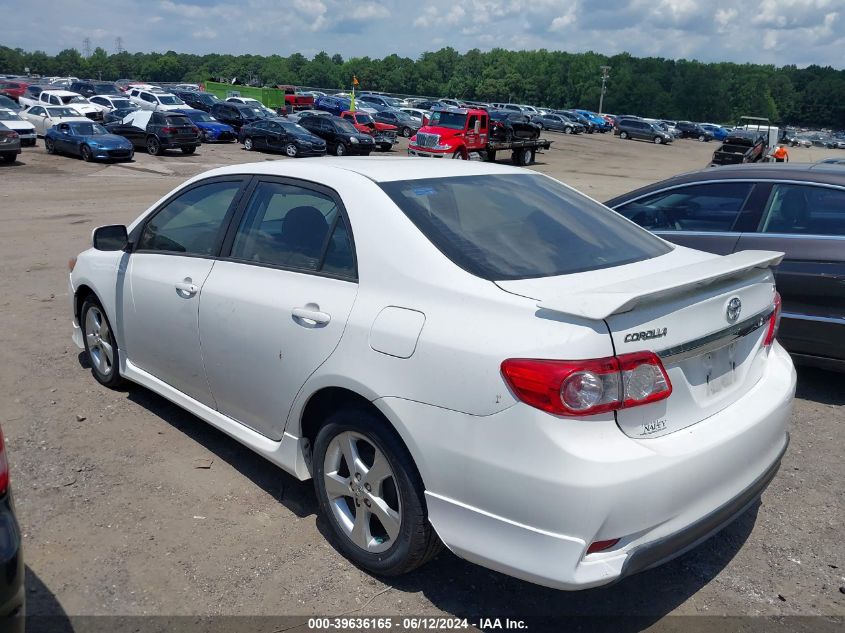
734	308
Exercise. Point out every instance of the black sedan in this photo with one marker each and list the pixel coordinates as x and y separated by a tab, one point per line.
197	100
796	209
281	135
507	126
340	135
12	596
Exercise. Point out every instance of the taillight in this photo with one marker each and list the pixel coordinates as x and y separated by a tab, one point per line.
774	322
587	387
195	130
4	466
168	130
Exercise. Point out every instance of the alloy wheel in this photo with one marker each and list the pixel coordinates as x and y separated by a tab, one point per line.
99	341
362	492
290	150
248	144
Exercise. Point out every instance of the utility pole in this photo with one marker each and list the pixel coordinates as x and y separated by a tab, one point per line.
86	47
118	45
605	73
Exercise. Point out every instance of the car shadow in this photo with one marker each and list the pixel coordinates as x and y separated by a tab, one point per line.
819	385
465	590
44	613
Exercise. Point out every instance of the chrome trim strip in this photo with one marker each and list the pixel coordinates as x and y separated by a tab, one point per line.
810	317
716	340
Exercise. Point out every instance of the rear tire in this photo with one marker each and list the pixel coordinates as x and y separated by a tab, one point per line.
701	138
189	150
10	158
153	146
248	144
49	145
623	135
100	346
567	130
345	499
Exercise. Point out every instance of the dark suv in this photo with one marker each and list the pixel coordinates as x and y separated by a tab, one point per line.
197	100
235	114
91	88
641	129
693	130
164	130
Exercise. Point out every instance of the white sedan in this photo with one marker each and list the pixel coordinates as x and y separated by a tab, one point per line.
456	352
12	120
45	117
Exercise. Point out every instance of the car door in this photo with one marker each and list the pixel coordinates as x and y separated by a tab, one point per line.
173	254
37	116
63	140
807	223
274	308
708	216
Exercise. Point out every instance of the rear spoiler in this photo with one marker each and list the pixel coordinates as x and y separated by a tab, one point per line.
622	296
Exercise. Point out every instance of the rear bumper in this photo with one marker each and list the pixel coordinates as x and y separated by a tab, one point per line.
525	493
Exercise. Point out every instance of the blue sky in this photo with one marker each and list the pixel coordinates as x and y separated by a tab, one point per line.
777	32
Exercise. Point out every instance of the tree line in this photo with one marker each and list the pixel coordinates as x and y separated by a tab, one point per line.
649	86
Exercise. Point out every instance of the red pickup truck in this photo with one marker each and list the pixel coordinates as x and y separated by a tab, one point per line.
384	134
464	132
296	101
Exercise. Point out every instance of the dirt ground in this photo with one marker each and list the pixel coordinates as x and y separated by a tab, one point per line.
118	521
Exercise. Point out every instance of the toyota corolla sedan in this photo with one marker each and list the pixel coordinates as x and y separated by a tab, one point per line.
460	353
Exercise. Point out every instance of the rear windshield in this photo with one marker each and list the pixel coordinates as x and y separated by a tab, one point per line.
177	121
520	226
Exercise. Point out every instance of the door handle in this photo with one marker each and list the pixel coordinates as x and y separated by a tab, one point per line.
187	287
311	316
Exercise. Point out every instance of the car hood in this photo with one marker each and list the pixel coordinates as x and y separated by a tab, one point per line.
213	125
108	140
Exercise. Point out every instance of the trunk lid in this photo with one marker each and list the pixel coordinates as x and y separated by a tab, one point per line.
682	306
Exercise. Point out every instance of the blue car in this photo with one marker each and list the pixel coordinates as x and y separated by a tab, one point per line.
87	139
211	129
719	133
602	125
334	105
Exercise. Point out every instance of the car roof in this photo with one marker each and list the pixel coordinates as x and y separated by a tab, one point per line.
377	169
807	172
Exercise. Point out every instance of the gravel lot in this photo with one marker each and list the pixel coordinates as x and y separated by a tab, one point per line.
117	520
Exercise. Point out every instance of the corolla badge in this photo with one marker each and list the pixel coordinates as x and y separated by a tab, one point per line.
733	310
644	336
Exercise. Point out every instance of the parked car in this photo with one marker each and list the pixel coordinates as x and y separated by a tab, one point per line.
197	100
112	102
211	130
641	129
255	103
557	123
25	129
507	126
383	134
590	126
88	140
158	131
600	123
13	89
9	104
299	114
10	144
693	130
12	590
419	114
428	104
382	100
119	114
279	134
236	114
333	105
584	446
45	117
830	161
91	88
401	121
340	136
159	101
793	208
64	98
716	131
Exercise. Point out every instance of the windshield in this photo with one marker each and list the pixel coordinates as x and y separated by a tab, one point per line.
88	129
5	115
393	103
364	119
451	120
121	103
62	112
345	126
106	89
170	100
258	113
207	98
74	99
294	128
520	226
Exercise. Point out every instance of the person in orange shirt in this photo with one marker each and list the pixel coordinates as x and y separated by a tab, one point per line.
780	154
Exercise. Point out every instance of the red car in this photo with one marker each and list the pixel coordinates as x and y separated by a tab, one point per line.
13	89
383	133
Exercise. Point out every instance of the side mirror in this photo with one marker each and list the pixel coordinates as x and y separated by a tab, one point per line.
112	237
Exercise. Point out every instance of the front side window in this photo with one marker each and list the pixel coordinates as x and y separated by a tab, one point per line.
293	227
520	226
193	222
805	210
706	207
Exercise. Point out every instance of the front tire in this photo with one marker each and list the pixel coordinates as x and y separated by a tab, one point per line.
371	495
407	132
701	138
340	150
100	345
291	150
657	140
248	144
623	135
87	154
567	130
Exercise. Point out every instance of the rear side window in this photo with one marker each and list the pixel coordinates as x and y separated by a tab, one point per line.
706	207
193	222
294	227
805	210
519	226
